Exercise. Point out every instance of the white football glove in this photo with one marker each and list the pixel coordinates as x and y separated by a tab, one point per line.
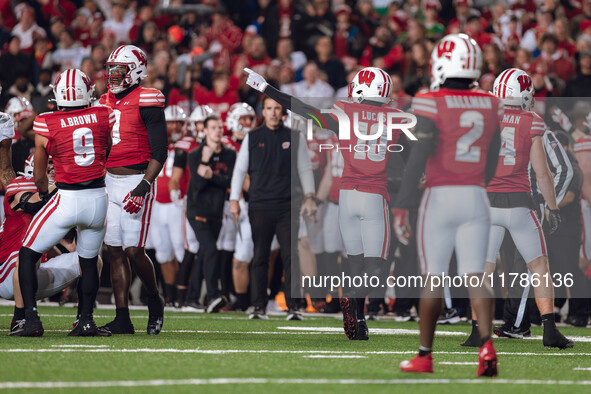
175	196
255	81
560	117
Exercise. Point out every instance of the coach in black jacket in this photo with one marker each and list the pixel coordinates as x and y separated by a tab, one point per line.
211	167
278	184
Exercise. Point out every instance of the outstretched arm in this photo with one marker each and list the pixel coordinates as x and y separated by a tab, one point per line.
256	81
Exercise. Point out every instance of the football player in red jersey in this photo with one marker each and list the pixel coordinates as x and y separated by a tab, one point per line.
78	138
140	148
363	197
510	199
166	229
458	144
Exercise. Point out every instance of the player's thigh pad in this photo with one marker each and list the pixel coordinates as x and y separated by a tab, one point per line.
6	274
526	230
134	227
244	245
57	273
52	222
227	238
92	215
159	233
472	233
586	215
117	189
191	243
333	240
499	222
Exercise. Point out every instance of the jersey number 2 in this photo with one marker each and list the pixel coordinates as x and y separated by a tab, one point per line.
83	146
465	152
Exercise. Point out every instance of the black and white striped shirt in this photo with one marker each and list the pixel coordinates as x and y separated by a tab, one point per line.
560	167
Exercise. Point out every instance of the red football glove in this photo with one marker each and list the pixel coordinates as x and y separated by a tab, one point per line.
134	201
402	228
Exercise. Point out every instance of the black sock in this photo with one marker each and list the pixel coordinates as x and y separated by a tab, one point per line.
89	284
181	295
80	297
423	353
360	309
242	301
19	314
474	326
484	340
122	314
170	291
27	277
153	299
548	320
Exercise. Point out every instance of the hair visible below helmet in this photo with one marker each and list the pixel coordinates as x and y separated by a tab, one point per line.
515	88
371	83
455	56
135	62
18	108
235	112
73	88
174	113
200	113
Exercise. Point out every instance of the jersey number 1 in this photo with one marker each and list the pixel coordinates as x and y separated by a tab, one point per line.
83	147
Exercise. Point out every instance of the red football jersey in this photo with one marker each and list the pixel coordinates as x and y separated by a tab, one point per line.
186	144
337	165
518	128
467	121
130	137
583	144
78	141
162	192
17	222
365	161
231	142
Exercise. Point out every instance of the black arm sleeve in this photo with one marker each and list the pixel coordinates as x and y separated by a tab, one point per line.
299	107
410	194
492	157
155	122
180	158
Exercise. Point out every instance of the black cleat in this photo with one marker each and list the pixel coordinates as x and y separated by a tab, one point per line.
155	317
362	333
474	339
349	308
119	326
86	327
294	314
553	338
16	325
577	321
449	316
511	332
31	327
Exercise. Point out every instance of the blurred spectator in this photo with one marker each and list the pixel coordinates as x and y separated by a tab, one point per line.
43	53
435	30
523	59
99	55
312	21
417	65
286	54
27	29
147	36
565	42
558	61
277	22
474	29
463	11
332	66
532	36
56	27
14	61
43	93
7	14
493	61
577	21
69	53
117	24
81	27
21	86
145	15
379	46
221	97
311	86
579	85
63	9
343	92
4	32
400	99
255	55
223	37
348	40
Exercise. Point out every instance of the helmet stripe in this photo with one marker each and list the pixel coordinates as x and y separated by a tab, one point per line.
505	80
469	48
500	85
385	82
73	85
68	84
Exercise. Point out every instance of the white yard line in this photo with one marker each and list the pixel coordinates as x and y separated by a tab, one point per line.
581	369
458	363
80	346
222	381
335	356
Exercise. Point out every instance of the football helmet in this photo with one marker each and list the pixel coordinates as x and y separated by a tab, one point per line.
200	113
236	112
371	83
30	164
19	108
455	56
126	66
73	88
174	113
514	87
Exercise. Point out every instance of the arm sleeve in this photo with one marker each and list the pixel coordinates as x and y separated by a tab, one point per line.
240	170
426	132
299	107
492	157
180	158
305	166
559	164
155	122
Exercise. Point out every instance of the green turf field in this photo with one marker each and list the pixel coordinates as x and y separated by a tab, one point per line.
226	352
